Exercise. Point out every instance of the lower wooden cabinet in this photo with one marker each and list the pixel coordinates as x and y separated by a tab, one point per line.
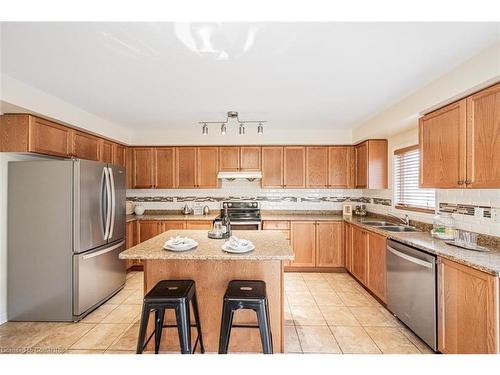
376	273
359	254
199	224
317	244
130	241
148	229
467	310
348	246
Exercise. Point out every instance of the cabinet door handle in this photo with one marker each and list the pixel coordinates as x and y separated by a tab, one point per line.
460	182
468	182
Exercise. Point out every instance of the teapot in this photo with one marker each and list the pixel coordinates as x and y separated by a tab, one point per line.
186	210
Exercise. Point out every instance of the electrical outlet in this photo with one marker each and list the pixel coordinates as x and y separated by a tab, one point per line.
495	214
479	212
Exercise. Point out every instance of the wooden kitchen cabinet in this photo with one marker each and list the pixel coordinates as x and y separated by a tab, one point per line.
119	154
129	167
371	164
130	241
329	244
47	137
272	167
147	229
229	159
294	167
172	224
199	224
316	167
207	167
483	139
376	271
467	310
185	167
303	235
348	246
143	167
442	137
164	167
250	158
84	146
340	167
359	254
106	151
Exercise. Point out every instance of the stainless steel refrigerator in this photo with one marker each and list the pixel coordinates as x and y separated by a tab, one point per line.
66	227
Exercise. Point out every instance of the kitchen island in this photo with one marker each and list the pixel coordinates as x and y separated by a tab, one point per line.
212	269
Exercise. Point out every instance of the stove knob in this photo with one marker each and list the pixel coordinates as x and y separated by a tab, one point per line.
254	204
229	204
225	204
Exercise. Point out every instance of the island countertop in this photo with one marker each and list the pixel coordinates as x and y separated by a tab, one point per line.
269	245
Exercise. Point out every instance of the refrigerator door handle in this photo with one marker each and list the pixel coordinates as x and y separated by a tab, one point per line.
113	202
108	204
104	251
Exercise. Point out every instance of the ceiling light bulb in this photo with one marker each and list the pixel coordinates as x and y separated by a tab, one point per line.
242	129
223	129
260	128
205	129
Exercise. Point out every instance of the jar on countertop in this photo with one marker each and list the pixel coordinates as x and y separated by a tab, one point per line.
444	226
139	209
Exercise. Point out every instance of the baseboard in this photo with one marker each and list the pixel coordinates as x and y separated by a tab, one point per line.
3	317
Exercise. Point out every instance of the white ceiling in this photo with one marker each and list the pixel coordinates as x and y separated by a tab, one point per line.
155	77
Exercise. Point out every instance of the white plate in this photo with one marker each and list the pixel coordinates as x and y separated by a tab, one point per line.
188	246
229	249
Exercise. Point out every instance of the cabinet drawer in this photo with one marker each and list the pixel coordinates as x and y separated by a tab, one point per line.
276	224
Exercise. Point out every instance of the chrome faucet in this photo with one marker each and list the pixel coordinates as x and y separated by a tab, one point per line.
405	220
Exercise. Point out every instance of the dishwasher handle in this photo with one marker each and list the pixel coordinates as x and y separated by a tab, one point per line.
409	258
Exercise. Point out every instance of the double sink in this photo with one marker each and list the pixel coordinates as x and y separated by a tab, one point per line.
390	227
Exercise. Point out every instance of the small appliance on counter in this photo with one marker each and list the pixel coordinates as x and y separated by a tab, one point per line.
360	210
139	209
206	210
186	210
130	206
197	209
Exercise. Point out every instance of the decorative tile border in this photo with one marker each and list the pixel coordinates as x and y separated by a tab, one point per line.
464	209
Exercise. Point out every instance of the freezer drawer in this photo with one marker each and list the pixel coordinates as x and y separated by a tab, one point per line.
97	275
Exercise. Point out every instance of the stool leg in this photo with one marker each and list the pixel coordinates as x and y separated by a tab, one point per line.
225	328
159	316
264	328
142	328
184	327
196	314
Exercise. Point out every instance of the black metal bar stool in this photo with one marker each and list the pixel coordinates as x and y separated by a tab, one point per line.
246	294
171	294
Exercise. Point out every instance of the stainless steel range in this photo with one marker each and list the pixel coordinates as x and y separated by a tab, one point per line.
243	215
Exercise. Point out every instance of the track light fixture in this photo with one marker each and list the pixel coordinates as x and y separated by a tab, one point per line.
231	115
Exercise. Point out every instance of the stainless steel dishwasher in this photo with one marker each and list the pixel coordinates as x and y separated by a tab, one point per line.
411	289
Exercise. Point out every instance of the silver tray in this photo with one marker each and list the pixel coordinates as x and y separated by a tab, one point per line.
472	248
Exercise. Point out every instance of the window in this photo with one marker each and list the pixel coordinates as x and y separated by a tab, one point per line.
408	196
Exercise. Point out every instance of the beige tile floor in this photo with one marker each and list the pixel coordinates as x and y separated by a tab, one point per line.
324	313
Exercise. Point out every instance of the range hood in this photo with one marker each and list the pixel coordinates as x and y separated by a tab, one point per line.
250	176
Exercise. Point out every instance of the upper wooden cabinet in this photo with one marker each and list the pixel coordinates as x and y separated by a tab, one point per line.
229	159
164	167
85	146
119	154
129	165
250	158
294	167
143	167
459	143
442	147
317	166
272	167
467	310
185	167
483	139
47	137
207	167
341	167
106	153
371	164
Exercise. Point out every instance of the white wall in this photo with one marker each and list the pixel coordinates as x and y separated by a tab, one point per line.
5	158
17	96
482	68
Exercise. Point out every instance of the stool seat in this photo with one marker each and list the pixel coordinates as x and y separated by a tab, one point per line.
170	290
246	290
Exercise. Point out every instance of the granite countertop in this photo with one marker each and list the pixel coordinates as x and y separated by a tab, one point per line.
488	262
302	217
173	217
269	245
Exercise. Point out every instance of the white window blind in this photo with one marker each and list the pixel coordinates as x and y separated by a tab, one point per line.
406	179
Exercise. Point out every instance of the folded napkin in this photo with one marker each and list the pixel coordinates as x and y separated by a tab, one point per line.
237	243
179	241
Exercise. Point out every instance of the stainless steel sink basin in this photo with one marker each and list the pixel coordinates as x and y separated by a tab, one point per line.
376	223
398	228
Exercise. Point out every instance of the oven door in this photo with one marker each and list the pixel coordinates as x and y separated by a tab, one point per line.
245	225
